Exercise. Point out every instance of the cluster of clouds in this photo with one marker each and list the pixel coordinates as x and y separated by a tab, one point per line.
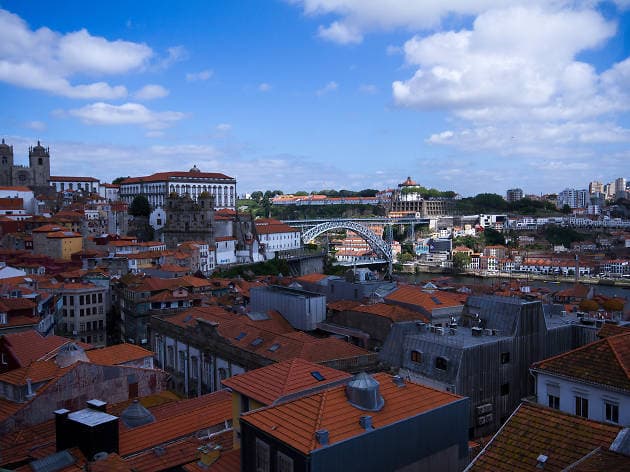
66	65
511	83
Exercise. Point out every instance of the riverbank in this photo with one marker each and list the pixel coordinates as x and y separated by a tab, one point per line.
519	276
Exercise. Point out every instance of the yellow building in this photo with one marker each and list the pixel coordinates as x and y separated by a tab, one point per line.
62	244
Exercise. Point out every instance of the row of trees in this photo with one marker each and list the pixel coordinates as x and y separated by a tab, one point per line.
493	203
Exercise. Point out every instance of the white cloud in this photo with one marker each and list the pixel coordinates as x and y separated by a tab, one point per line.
224	127
127	114
173	54
45	60
500	63
151	92
203	75
368	89
264	87
340	33
329	87
36	125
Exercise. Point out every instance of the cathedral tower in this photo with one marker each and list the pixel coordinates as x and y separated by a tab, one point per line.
6	163
39	162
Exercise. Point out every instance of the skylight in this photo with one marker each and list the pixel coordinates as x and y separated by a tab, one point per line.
436	300
274	347
240	336
257	342
318	376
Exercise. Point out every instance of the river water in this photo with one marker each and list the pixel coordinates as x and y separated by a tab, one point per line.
610	291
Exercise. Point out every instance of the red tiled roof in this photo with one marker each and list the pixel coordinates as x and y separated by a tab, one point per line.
29	346
342	305
605	362
610	329
533	430
313	278
11	203
414	295
164	176
64	178
117	354
227	462
602	460
393	312
295	422
174	421
38	371
270	384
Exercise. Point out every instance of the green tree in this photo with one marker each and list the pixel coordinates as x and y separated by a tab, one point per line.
613	304
566	209
493	237
118	180
460	261
257	196
589	305
404	257
301	193
140	206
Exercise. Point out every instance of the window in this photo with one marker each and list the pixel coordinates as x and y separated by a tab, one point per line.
171	356
416	356
284	463
262	456
3	318
505	389
505	357
100	298
93	298
581	406
612	412
244	404
182	361
553	402
81	299
194	366
441	363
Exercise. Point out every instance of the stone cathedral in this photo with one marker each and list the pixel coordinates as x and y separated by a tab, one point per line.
36	174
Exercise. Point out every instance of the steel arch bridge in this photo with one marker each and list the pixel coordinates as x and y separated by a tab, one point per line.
375	241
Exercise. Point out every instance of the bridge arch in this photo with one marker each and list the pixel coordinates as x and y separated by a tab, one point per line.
376	242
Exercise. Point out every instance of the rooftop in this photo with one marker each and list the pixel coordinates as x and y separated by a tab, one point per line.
118	354
533	430
295	422
271	384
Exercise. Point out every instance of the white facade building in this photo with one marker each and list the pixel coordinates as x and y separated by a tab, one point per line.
157	187
591	381
86	184
573	197
226	250
275	236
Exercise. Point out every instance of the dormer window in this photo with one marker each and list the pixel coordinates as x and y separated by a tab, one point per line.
441	363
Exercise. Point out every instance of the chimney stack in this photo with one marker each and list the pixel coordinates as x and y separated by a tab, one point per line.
366	422
322	437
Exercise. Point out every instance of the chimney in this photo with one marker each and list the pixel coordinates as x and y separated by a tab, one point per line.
321	435
97	405
366	422
61	430
29	389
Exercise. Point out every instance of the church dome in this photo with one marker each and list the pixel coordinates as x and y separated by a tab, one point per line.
409	183
3	144
194	169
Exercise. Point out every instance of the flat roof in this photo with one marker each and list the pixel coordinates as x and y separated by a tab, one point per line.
91	417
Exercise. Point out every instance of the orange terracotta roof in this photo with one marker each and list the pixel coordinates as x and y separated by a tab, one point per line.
602	460
38	371
169	456
16	188
342	305
12	304
174	421
227	462
270	384
112	463
313	278
393	312
64	178
11	203
225	238
295	422
605	362
610	329
414	295
117	354
533	430
29	346
164	176
275	228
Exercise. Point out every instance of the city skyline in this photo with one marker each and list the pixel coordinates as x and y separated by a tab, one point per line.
314	94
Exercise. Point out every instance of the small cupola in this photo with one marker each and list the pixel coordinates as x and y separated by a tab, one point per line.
69	354
363	393
136	415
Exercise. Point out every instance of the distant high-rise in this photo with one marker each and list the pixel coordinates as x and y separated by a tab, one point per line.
595	187
514	194
620	188
575	198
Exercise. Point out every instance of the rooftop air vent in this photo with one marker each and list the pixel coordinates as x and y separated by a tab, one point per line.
322	436
366	422
398	381
363	393
136	415
541	461
476	331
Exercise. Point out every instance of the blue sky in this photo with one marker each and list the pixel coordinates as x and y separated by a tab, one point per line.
471	96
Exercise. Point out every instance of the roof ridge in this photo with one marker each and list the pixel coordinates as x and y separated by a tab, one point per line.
612	348
577	349
320	412
287	376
